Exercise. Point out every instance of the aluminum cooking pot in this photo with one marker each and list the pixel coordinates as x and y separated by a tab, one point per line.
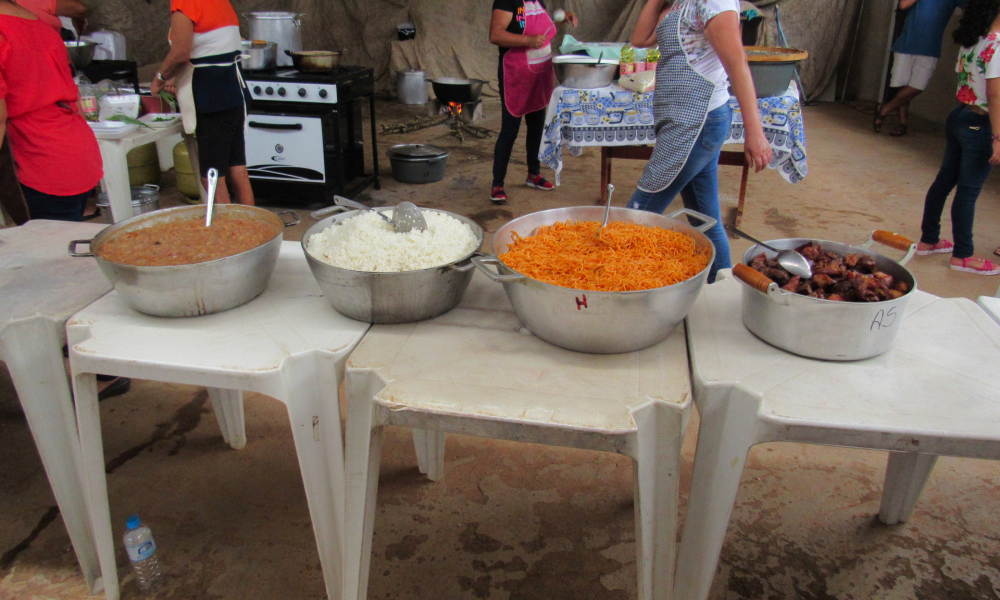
315	60
259	56
457	90
598	322
195	289
825	329
584	72
283	28
402	297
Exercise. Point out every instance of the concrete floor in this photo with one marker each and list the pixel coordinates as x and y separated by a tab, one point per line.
525	522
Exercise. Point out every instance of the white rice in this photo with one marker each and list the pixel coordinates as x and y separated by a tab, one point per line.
366	242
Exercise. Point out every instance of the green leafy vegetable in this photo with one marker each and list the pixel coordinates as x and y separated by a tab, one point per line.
127	119
169	99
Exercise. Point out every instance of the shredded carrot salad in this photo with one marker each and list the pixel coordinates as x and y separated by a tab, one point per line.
627	256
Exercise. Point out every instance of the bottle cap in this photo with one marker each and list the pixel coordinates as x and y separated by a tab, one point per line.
132	522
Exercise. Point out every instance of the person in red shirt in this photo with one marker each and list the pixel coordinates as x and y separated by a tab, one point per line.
49	12
56	154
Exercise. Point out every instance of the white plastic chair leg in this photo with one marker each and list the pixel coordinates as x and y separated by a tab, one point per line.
660	430
228	405
88	419
32	351
905	477
429	446
727	431
115	181
364	457
314	413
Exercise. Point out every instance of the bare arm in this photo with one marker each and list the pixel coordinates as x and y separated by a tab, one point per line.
993	102
3	118
905	4
644	34
181	37
723	33
73	9
499	36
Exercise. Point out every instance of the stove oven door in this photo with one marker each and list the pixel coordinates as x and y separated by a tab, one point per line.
285	148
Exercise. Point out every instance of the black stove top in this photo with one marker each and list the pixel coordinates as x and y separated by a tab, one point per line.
342	75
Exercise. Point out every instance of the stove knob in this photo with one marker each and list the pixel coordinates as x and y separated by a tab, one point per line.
256	90
302	92
281	92
269	91
322	94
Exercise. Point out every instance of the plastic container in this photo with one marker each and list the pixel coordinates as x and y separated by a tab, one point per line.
772	68
141	550
145	199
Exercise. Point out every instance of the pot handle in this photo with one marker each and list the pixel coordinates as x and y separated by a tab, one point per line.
708	222
468	266
289	53
762	283
317	215
72	249
482	261
294	220
893	240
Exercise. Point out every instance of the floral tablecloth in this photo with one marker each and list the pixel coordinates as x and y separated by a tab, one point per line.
612	116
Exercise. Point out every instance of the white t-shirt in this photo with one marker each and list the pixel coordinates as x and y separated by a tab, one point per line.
695	15
975	66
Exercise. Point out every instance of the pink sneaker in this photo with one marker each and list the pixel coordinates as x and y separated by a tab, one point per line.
539	183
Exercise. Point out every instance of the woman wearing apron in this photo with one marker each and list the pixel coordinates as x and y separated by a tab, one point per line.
204	57
701	51
523	30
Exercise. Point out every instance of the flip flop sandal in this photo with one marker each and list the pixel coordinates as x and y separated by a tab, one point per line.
942	247
997	252
878	119
988	267
117	388
898	130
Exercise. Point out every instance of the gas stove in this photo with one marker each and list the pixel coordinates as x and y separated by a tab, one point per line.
305	138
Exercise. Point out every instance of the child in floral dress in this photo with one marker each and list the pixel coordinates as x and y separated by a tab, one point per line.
972	147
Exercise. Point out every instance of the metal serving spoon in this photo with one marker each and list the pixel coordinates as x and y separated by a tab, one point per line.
792	261
607	211
407	217
213	182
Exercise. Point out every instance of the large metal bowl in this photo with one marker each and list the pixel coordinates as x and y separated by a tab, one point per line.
584	72
825	329
457	90
598	322
195	289
81	54
402	297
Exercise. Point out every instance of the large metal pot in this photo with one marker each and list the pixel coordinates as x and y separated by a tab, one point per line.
584	72
315	60
259	56
825	329
411	87
282	28
457	90
402	297
418	163
145	199
598	322
196	289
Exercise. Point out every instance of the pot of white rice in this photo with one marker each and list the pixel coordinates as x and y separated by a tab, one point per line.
371	273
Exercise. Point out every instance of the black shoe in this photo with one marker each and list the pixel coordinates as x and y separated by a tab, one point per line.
117	388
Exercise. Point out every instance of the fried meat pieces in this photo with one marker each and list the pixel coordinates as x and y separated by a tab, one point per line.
850	278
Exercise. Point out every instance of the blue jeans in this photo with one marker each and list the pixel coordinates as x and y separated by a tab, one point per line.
55	208
965	165
698	184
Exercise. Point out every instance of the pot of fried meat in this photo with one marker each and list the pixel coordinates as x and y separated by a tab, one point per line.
167	263
850	309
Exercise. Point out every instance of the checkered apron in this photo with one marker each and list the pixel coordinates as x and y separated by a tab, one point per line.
680	105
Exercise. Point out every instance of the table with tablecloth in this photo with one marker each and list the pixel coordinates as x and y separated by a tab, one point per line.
613	117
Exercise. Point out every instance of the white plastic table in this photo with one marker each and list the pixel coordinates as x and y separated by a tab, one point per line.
288	343
41	287
114	154
919	400
477	371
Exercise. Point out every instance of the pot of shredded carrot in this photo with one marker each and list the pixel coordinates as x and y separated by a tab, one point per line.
625	257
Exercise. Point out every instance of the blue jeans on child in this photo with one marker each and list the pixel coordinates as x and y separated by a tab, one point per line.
966	163
698	184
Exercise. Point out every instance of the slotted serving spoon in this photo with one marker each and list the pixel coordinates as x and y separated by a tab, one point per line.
213	182
792	261
405	217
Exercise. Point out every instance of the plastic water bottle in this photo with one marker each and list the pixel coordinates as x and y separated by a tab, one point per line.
141	550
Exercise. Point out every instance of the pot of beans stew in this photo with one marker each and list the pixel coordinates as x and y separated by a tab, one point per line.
168	264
